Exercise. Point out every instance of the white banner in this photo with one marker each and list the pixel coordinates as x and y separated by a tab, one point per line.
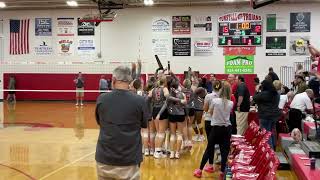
160	47
203	46
43	47
161	25
86	47
65	47
202	24
66	26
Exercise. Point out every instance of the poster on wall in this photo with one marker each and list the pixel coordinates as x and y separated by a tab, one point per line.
86	47
202	24
181	25
276	23
239	64
65	26
85	28
276	45
300	22
65	47
160	47
299	46
203	46
181	46
43	27
239	51
43	47
161	25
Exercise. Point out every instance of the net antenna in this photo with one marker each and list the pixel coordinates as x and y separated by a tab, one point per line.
107	12
255	4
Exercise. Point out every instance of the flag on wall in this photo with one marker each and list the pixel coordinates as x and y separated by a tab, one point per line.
19	36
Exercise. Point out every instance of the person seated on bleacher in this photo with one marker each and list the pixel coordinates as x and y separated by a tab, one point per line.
300	105
301	84
285	100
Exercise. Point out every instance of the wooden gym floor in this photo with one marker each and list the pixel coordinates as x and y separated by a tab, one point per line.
56	140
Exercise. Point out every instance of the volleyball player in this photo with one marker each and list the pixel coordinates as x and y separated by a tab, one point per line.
200	94
158	97
12	86
79	81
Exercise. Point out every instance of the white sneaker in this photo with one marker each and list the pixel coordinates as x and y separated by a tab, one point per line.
77	104
177	155
81	104
172	155
201	138
195	137
146	152
151	152
157	155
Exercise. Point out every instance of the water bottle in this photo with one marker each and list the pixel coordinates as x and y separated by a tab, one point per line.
313	163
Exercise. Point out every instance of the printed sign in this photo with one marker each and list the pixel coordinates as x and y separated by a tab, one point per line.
240	17
85	28
300	22
181	46
43	47
239	64
181	25
160	47
65	47
276	23
238	51
202	24
203	46
86	47
65	27
299	46
161	25
276	45
43	27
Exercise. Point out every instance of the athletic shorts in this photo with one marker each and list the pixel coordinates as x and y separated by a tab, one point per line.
12	92
155	112
79	92
176	118
189	112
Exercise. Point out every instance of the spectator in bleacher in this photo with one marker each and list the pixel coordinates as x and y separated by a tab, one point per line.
268	101
301	84
268	78
79	82
285	100
242	96
278	86
103	84
209	83
273	75
232	82
256	82
299	70
300	105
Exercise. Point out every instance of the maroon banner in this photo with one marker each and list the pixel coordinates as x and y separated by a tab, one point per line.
237	51
181	25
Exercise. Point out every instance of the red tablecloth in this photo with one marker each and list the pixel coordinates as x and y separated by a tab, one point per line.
302	171
309	128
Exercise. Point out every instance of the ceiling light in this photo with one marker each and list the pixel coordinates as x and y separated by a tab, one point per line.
148	2
2	5
229	0
72	3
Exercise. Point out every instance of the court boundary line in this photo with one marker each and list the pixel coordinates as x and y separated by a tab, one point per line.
19	171
65	166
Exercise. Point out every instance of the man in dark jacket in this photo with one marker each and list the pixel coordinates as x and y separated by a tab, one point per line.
120	114
273	75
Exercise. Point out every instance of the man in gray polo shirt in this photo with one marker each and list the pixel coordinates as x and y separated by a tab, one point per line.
120	115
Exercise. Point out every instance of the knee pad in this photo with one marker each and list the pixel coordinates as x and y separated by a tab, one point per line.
145	135
152	135
172	137
200	126
160	135
179	137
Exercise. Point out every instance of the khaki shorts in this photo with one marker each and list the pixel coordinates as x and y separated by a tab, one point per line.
79	92
107	172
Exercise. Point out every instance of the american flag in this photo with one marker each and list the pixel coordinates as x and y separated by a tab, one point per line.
19	36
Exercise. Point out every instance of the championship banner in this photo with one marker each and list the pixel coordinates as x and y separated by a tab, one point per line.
161	25
65	47
276	23
160	47
300	22
181	25
299	46
202	24
43	47
43	27
238	51
181	46
86	47
203	47
239	64
85	28
276	45
65	26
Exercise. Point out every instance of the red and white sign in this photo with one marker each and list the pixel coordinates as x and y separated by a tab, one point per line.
239	17
237	51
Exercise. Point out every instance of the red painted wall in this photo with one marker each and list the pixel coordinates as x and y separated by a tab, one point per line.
30	81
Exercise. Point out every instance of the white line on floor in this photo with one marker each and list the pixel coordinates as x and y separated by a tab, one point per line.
67	165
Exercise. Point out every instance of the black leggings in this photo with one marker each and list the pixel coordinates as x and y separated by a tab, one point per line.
208	128
219	135
295	119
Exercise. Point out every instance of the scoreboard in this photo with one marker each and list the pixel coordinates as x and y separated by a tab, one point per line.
240	29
